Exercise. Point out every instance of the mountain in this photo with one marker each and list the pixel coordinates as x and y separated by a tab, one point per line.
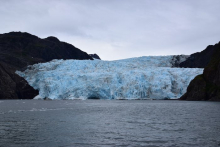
207	85
151	77
18	50
199	59
95	56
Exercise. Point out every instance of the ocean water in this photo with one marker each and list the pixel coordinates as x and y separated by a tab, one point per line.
106	123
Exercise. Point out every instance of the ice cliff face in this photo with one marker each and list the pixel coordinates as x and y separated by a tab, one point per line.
136	78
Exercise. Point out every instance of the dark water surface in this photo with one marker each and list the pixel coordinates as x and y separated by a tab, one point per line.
67	123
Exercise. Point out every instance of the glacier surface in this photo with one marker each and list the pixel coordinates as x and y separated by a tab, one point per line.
150	77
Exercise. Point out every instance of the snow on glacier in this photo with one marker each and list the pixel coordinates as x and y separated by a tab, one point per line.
136	78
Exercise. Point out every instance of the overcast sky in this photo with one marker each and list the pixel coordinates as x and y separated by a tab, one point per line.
117	29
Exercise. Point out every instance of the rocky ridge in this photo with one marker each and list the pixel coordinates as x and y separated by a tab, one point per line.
207	85
199	59
95	56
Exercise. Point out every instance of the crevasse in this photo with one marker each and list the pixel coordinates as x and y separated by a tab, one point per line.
151	77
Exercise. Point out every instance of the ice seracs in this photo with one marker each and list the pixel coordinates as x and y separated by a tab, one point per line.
149	77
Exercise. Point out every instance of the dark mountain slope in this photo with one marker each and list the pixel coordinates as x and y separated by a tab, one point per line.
198	60
18	50
207	85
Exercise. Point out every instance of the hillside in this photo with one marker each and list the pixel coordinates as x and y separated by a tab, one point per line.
199	59
18	50
207	85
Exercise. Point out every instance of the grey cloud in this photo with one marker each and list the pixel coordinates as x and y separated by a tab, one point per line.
118	29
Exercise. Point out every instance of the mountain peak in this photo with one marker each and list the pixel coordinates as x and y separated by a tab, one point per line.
19	34
52	38
95	56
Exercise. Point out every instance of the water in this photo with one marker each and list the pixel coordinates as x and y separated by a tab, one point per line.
67	123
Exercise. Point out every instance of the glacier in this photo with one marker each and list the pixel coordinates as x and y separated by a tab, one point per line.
149	77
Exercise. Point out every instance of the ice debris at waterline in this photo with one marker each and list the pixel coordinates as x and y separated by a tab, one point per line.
136	78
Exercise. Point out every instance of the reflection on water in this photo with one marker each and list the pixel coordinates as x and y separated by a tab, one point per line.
109	123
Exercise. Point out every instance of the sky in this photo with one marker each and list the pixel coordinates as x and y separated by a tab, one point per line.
118	29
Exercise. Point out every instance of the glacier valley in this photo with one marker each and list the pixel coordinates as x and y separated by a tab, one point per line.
150	77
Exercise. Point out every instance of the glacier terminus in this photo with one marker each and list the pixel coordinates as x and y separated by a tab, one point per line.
148	77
